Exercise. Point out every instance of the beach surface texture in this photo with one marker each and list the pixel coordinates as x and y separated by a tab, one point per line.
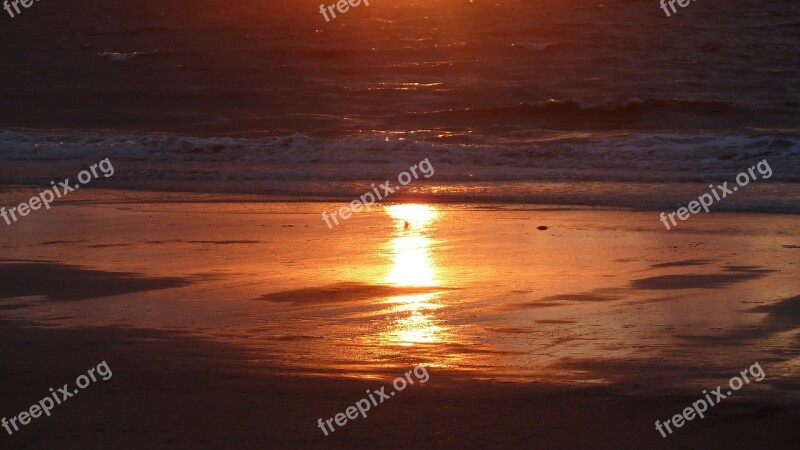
233	224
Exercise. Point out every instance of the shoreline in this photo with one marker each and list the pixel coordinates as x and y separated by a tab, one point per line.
92	196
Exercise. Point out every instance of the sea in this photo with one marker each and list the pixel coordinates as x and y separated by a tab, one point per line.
566	103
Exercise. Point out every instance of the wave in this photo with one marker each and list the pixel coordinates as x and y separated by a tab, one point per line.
608	169
638	155
625	106
126	56
534	47
615	113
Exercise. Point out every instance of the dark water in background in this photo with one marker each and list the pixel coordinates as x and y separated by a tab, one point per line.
565	101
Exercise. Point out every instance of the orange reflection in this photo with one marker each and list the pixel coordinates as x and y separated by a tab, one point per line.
414	216
417	326
412	265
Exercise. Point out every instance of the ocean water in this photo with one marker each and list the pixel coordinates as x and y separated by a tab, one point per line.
546	102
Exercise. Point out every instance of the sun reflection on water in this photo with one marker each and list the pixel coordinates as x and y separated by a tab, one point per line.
413	266
417	324
411	248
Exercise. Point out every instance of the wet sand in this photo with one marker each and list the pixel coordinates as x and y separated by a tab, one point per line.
578	336
169	390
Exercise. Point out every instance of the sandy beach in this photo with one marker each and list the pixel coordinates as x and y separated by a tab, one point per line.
549	224
576	327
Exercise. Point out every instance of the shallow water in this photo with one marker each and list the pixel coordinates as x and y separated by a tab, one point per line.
600	296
